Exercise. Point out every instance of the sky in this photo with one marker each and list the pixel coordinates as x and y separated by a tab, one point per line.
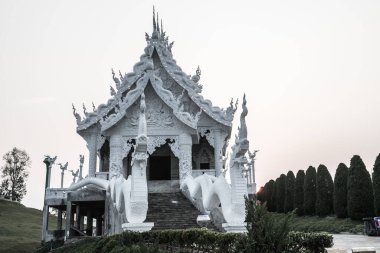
310	71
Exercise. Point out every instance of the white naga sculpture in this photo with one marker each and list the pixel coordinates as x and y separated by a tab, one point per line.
208	192
127	198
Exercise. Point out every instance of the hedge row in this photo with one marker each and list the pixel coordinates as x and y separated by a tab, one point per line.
314	242
207	241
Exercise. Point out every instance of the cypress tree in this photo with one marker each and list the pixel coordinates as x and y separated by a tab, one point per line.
376	184
359	190
325	191
289	193
280	193
299	192
309	191
340	191
274	195
269	189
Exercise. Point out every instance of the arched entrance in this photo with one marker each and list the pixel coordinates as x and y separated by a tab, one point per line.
162	164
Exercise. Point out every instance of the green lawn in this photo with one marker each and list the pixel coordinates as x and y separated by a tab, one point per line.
20	228
329	224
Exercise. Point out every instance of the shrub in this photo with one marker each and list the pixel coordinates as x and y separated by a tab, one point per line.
376	184
359	190
289	193
324	189
310	191
306	242
265	234
340	191
299	192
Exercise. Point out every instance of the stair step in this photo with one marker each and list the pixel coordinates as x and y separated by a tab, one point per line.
171	211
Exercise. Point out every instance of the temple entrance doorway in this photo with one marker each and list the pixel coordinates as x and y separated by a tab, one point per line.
161	166
163	171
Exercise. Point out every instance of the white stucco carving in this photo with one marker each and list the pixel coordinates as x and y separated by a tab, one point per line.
214	191
208	132
126	145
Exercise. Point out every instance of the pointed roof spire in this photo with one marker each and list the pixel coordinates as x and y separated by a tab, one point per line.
158	24
154	19
162	27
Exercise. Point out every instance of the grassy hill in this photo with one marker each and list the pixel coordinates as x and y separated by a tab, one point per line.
20	227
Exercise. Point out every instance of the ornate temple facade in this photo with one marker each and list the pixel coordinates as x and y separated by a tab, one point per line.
156	135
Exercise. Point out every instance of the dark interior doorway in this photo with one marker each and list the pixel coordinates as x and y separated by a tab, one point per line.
159	167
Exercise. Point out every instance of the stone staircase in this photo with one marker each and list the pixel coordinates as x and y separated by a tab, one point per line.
172	211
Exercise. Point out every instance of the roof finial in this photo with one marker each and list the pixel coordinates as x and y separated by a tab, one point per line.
154	19
158	24
162	27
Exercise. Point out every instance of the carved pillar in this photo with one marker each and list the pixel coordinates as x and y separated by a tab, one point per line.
116	154
78	217
59	220
185	164
92	158
218	146
69	219
89	222
45	220
99	226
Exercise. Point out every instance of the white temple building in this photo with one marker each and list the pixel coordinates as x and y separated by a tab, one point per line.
157	156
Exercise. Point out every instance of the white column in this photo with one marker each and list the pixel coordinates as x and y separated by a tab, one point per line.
218	145
185	159
92	157
116	155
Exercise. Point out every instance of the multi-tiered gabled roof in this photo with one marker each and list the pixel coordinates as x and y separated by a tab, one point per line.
130	86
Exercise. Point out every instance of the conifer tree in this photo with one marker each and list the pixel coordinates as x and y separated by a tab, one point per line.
274	195
325	191
280	193
310	191
376	184
269	189
359	190
289	192
299	192
340	191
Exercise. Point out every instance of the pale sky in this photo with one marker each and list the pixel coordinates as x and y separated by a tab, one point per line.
310	69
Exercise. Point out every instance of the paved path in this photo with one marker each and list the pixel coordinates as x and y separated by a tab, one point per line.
347	241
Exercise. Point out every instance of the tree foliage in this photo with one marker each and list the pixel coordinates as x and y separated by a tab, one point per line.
325	191
376	184
14	174
289	192
340	191
261	194
280	193
265	234
299	192
310	191
360	202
